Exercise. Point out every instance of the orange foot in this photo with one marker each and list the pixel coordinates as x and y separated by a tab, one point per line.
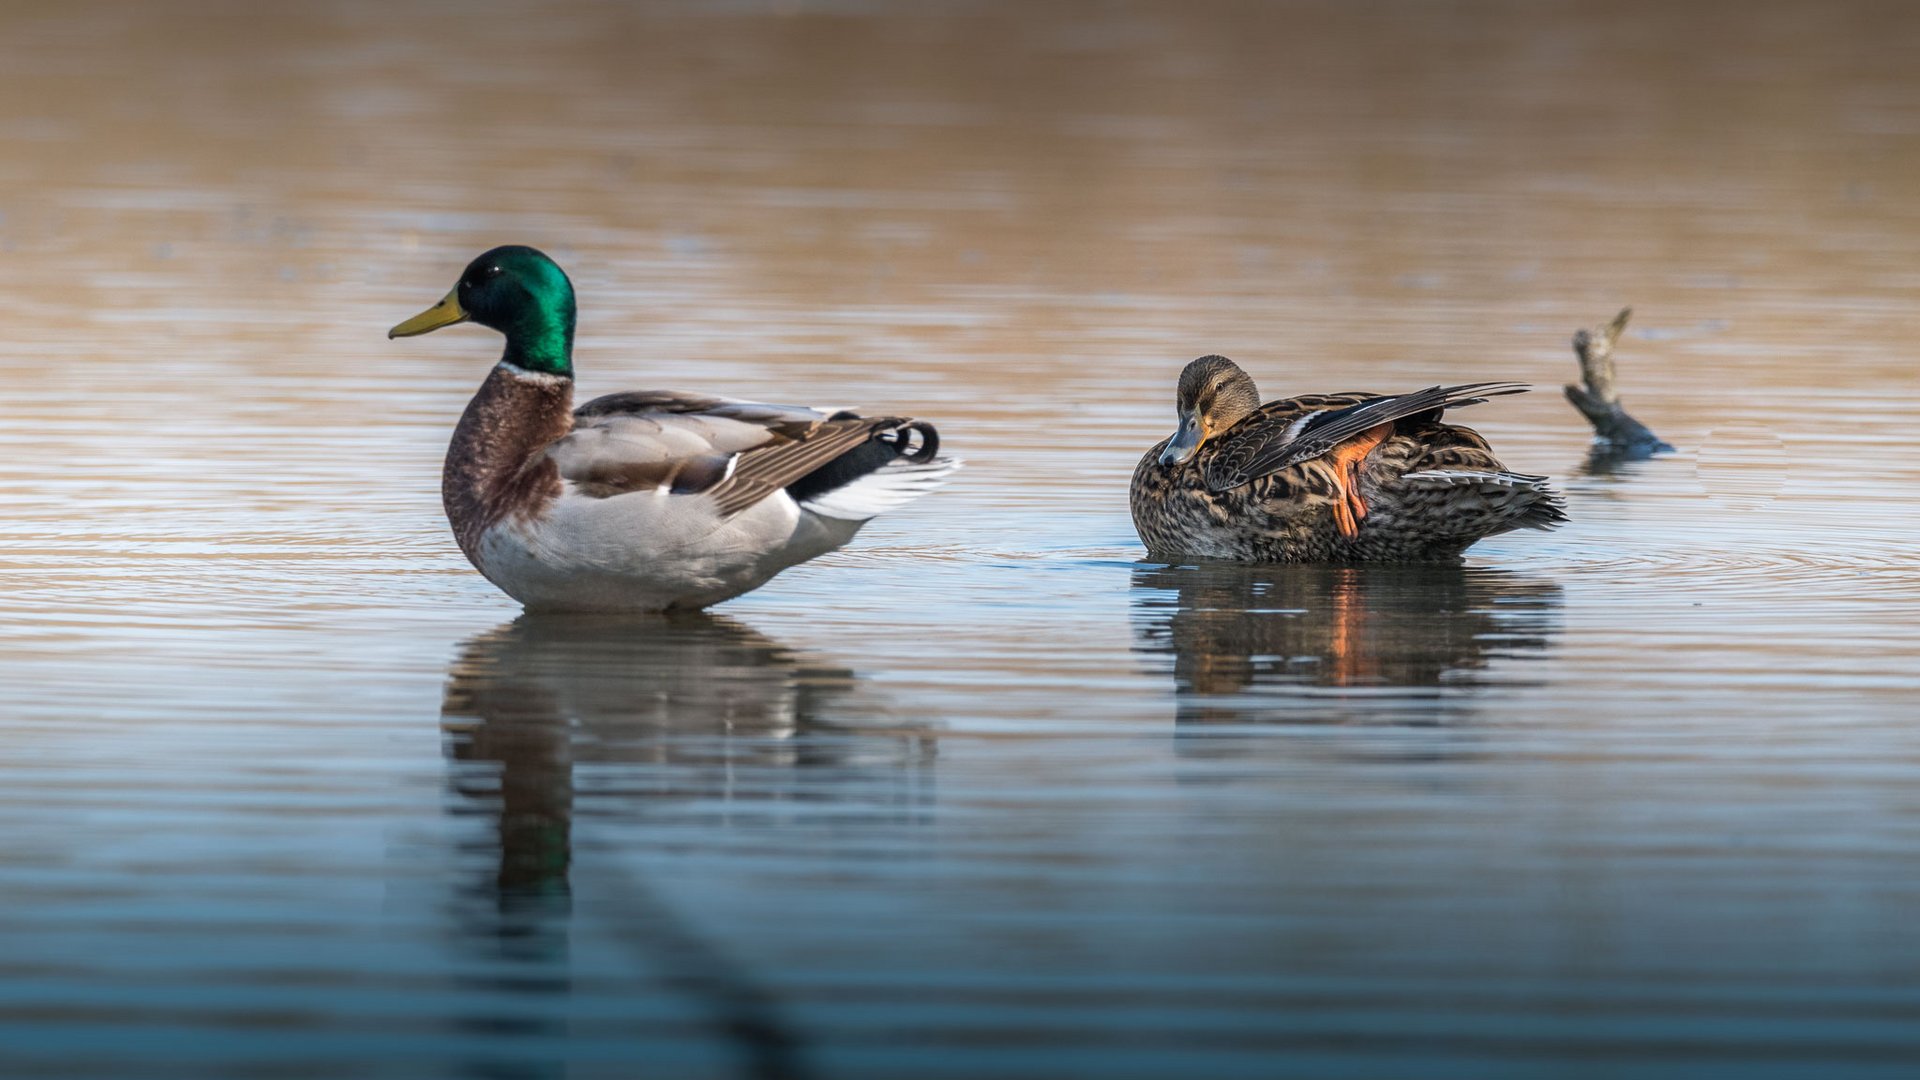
1350	508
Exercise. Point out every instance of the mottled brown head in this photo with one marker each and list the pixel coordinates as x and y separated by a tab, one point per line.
1214	395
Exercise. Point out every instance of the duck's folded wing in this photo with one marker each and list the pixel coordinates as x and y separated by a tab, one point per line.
734	452
1259	446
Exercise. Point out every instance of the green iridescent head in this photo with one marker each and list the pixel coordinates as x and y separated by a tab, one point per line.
519	292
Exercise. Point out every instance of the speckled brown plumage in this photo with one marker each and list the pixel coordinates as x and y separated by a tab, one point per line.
494	467
1266	486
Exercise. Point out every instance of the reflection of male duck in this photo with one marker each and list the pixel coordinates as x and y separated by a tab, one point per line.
1235	630
542	692
678	695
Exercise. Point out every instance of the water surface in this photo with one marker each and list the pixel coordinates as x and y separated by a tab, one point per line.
287	790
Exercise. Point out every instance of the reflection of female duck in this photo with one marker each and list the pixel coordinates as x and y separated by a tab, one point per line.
1235	629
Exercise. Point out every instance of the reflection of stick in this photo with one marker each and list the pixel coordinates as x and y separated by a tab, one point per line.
1599	402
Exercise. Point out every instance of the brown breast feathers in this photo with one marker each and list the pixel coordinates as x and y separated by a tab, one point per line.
494	466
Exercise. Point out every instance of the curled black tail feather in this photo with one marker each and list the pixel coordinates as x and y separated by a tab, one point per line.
929	441
886	446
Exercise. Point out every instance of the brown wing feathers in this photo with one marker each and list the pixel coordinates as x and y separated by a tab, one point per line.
1273	449
758	449
764	470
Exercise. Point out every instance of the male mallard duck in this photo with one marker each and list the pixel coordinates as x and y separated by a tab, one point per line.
648	500
1328	477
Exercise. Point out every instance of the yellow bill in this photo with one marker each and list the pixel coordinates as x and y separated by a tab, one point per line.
445	313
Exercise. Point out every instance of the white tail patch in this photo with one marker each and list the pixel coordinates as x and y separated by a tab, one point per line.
1471	478
889	487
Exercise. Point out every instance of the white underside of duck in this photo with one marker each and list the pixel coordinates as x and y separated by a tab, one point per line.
654	551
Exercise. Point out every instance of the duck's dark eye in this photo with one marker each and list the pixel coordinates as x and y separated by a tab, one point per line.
481	277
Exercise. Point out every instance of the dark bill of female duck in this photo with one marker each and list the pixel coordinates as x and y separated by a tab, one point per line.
645	500
1349	477
1209	400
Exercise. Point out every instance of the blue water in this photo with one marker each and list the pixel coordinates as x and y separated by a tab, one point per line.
286	790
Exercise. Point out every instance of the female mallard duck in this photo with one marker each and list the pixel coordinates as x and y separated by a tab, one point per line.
647	500
1328	477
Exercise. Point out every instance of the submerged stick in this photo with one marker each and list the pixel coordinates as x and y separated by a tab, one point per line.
1618	433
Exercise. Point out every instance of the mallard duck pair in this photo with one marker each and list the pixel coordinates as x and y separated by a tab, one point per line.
659	500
